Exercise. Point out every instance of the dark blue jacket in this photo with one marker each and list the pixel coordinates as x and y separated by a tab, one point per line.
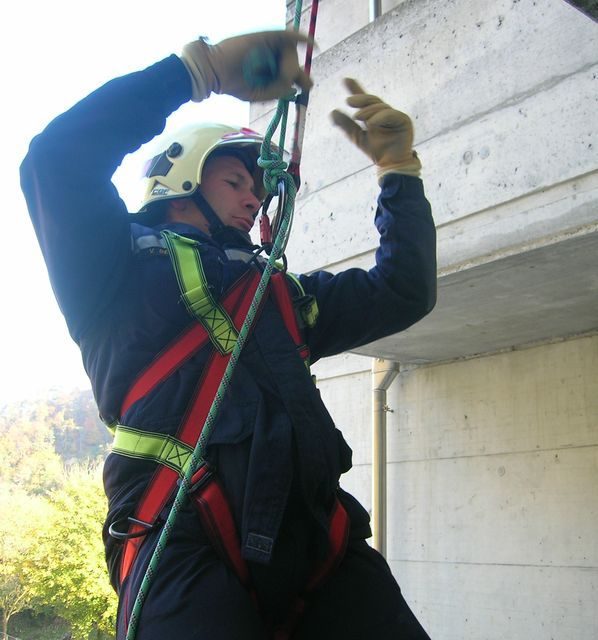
274	437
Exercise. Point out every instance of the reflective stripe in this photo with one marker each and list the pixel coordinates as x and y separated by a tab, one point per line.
149	445
196	293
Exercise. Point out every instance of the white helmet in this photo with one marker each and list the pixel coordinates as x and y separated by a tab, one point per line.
176	171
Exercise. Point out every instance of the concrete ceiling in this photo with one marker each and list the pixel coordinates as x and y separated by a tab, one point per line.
535	296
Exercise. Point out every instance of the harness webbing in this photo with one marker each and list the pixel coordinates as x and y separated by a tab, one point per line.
208	496
149	445
172	357
184	254
285	304
210	500
165	478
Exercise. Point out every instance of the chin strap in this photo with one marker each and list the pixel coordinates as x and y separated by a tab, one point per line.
221	233
214	223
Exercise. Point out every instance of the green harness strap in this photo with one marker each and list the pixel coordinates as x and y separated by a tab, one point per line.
164	449
186	260
195	291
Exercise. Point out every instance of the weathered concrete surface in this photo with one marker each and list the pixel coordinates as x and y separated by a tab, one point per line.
503	96
493	459
493	464
529	400
492	491
537	295
495	602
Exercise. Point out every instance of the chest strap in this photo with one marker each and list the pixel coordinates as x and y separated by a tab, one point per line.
196	294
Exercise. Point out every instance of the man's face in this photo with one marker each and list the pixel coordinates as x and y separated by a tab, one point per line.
228	187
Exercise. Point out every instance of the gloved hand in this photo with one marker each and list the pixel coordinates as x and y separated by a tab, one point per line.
256	66
388	135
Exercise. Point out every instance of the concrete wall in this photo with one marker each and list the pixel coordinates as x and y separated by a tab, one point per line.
493	444
492	475
503	98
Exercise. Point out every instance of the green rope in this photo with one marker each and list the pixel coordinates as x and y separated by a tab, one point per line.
274	172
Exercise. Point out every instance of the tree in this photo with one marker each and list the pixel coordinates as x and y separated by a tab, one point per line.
22	516
52	502
27	446
67	569
66	424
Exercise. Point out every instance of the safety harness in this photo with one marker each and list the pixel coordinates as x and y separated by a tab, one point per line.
217	324
276	180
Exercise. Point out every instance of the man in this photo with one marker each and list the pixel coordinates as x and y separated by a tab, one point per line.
298	564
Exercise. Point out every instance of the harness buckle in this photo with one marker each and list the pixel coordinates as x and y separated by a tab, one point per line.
201	477
125	535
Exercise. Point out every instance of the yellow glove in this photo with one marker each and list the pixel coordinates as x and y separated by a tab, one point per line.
255	67
388	135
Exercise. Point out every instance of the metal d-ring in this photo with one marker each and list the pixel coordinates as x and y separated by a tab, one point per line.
125	535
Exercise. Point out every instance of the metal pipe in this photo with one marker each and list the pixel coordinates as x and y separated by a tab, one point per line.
375	9
383	373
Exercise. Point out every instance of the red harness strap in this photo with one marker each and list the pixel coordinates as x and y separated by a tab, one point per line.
282	297
206	491
164	480
209	499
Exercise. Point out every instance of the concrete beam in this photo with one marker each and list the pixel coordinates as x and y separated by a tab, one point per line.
589	7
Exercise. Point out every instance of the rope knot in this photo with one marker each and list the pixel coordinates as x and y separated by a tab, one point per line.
274	169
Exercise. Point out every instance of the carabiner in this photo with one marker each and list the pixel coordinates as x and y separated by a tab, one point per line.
277	223
122	535
269	230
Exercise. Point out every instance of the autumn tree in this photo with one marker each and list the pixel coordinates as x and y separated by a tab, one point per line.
67	569
22	517
53	506
31	464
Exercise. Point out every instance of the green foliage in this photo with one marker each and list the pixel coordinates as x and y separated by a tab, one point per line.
66	425
66	567
40	626
28	445
22	517
53	506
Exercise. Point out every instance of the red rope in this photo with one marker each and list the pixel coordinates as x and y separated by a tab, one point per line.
302	101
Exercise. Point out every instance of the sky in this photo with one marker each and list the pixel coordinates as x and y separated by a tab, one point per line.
53	54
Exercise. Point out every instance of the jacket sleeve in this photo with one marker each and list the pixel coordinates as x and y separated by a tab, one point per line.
357	306
80	221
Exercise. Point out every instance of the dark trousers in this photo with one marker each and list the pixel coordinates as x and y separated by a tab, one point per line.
195	596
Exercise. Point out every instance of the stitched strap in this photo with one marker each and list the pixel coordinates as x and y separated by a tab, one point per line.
149	445
195	291
164	480
175	354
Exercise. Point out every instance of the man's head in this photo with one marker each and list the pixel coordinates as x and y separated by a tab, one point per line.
208	177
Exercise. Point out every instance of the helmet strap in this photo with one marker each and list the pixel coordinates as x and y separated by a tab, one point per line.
219	232
214	223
